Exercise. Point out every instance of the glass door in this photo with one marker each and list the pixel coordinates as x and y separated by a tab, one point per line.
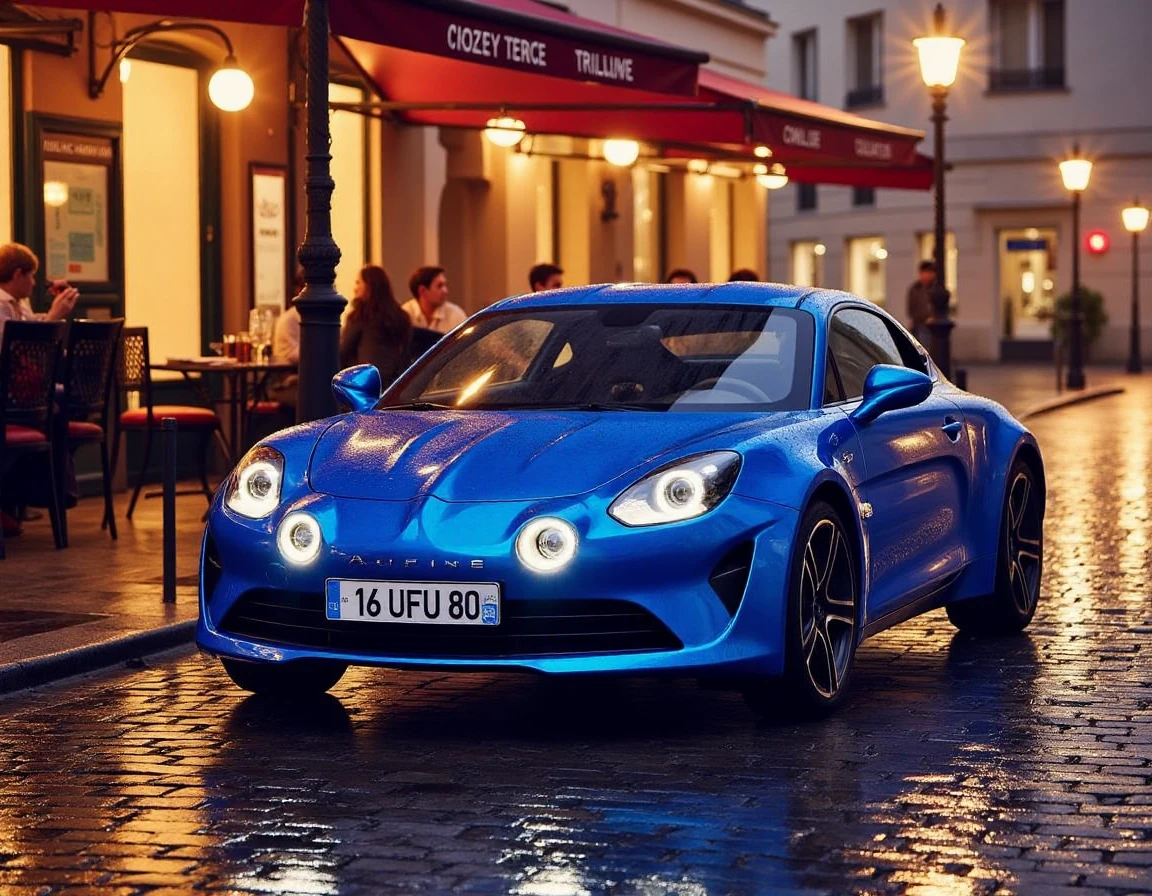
1027	283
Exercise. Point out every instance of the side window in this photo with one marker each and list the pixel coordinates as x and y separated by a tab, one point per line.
858	341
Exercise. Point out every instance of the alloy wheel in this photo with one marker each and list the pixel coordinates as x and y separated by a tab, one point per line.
827	607
1023	534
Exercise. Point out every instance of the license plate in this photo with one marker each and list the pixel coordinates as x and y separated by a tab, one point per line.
427	603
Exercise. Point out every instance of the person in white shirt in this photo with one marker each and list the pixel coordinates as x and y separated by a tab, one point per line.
18	267
429	306
286	333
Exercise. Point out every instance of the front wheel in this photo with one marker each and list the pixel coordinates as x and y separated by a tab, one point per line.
1019	565
821	629
300	678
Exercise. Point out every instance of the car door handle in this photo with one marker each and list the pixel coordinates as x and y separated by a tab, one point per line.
952	428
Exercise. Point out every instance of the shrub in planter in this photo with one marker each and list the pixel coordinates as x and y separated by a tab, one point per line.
1091	306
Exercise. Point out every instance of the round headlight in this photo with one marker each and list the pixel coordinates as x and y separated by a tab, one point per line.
546	544
679	491
299	538
255	488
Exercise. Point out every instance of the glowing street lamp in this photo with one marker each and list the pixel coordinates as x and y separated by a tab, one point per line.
1076	172
1135	219
939	59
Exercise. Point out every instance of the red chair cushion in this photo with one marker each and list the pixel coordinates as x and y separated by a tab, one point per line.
184	414
265	407
85	431
22	435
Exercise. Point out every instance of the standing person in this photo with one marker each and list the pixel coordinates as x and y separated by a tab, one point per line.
429	306
18	267
681	275
545	276
919	301
376	331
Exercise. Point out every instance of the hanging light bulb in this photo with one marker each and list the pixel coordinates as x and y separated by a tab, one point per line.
762	152
230	87
504	131
621	152
698	166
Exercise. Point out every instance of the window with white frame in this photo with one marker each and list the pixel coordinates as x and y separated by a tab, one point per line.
927	245
808	263
867	267
1027	44
805	64
865	61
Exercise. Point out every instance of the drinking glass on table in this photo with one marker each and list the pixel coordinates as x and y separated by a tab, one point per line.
260	322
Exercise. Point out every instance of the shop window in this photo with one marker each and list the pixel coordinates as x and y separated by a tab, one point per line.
808	263
6	116
867	268
863	196
1027	44
646	262
805	197
349	210
926	242
865	61
805	64
720	230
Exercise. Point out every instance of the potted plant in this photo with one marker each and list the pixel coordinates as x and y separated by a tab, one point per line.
1095	317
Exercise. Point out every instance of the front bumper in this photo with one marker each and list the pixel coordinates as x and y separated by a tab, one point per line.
699	596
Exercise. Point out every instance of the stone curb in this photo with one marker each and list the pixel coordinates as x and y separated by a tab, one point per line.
1068	398
42	669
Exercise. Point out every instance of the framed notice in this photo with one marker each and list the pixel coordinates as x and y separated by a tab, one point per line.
269	234
77	174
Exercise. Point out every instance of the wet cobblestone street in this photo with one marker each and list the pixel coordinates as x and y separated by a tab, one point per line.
958	766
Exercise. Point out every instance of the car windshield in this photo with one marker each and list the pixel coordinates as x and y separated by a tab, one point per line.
619	357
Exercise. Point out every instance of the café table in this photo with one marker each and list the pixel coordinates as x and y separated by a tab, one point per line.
244	382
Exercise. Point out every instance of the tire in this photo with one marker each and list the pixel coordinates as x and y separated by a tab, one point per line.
821	629
300	678
1019	564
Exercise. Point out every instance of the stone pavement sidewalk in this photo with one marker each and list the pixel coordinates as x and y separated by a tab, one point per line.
99	602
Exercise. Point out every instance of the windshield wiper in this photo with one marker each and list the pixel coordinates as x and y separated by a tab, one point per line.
599	406
417	406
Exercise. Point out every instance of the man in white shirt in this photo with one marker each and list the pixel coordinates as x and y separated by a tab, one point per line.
18	267
429	306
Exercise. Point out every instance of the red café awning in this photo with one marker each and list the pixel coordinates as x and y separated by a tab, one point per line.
510	40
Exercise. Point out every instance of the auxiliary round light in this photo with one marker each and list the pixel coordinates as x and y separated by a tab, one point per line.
230	87
546	544
299	538
621	152
504	131
679	492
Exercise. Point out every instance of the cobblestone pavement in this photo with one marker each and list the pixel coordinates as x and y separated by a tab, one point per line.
1018	765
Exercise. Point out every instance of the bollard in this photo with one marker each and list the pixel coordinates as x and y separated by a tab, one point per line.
168	431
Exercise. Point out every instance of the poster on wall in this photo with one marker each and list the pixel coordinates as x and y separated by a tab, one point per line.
76	182
269	235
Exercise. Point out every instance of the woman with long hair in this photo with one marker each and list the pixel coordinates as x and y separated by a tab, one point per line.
377	331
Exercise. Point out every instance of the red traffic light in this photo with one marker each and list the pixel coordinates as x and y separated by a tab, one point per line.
1097	242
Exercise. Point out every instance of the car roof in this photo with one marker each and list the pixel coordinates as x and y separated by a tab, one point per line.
781	295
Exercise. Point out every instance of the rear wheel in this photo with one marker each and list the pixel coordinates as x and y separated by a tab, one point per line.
820	635
1020	563
296	679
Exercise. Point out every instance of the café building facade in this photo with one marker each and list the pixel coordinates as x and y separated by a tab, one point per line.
618	156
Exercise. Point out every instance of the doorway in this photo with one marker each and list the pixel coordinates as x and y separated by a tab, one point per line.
1027	293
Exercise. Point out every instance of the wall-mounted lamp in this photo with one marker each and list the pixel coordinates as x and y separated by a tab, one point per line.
230	87
621	152
771	177
504	131
762	152
55	193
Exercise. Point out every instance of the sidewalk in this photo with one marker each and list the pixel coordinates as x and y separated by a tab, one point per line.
99	602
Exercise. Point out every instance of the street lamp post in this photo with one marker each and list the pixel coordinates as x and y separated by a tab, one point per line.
1135	219
1076	173
939	58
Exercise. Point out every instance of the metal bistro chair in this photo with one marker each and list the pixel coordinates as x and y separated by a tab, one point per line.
89	373
134	378
29	355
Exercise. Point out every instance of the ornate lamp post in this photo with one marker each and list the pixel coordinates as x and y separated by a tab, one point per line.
1076	172
1135	219
939	58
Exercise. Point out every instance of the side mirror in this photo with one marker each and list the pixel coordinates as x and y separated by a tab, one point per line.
889	387
357	387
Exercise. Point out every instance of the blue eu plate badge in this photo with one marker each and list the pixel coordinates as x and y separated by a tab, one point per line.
490	610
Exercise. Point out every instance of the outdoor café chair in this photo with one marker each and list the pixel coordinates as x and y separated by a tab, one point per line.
88	377
29	356
135	379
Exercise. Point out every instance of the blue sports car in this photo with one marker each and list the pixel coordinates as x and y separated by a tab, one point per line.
738	482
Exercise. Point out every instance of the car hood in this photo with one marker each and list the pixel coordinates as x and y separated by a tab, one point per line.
506	456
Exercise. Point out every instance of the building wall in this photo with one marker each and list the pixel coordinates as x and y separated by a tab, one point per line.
1004	148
